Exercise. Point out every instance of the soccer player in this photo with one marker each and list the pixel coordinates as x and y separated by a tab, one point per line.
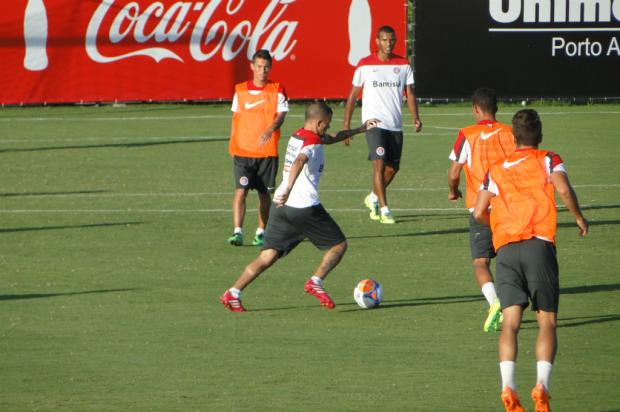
383	77
259	108
297	213
476	148
520	191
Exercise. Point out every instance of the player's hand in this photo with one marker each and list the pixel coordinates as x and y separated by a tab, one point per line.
280	198
264	138
371	123
454	196
346	126
417	124
583	225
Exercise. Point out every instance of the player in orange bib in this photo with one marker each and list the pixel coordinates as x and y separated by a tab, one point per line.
259	107
476	148
520	191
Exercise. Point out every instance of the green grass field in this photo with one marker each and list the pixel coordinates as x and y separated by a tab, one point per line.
113	253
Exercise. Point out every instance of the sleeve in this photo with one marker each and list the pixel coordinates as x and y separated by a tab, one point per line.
308	150
554	163
282	103
460	150
235	105
489	185
358	77
282	100
409	73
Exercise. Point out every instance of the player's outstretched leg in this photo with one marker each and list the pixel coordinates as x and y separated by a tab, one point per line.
231	299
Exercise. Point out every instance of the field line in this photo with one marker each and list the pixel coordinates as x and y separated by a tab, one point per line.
104	194
216	210
117	139
228	116
227	210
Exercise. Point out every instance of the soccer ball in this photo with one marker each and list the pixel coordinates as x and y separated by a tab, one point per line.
368	293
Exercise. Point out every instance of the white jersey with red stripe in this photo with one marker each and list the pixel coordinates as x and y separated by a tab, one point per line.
383	85
305	191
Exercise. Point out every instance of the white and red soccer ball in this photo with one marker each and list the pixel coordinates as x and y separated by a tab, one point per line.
368	293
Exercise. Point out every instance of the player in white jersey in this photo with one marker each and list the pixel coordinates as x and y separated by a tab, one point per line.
297	213
384	77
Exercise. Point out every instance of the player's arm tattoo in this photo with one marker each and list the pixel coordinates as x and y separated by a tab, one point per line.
345	134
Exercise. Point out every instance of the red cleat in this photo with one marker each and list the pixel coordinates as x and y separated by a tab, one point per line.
318	292
232	304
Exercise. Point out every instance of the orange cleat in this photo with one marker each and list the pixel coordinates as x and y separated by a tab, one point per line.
510	399
541	398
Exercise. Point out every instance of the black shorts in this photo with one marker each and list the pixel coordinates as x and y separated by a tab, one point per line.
528	270
480	240
255	173
385	144
288	226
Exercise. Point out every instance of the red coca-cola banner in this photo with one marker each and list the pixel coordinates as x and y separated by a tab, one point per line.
120	50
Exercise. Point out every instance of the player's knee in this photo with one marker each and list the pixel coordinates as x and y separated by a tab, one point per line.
547	320
268	257
241	194
395	167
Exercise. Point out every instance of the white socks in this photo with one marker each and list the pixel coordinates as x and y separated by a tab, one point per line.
317	280
385	210
507	370
488	290
238	230
260	231
543	373
373	197
236	293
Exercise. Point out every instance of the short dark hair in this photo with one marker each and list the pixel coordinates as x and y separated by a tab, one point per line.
262	54
486	99
527	127
318	109
386	29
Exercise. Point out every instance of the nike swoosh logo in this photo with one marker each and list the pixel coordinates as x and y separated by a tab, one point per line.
508	164
485	136
249	105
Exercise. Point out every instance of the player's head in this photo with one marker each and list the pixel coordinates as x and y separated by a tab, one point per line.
318	117
527	128
261	65
484	100
386	39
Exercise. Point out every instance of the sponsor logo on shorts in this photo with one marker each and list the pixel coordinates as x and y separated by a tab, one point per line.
380	151
243	181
